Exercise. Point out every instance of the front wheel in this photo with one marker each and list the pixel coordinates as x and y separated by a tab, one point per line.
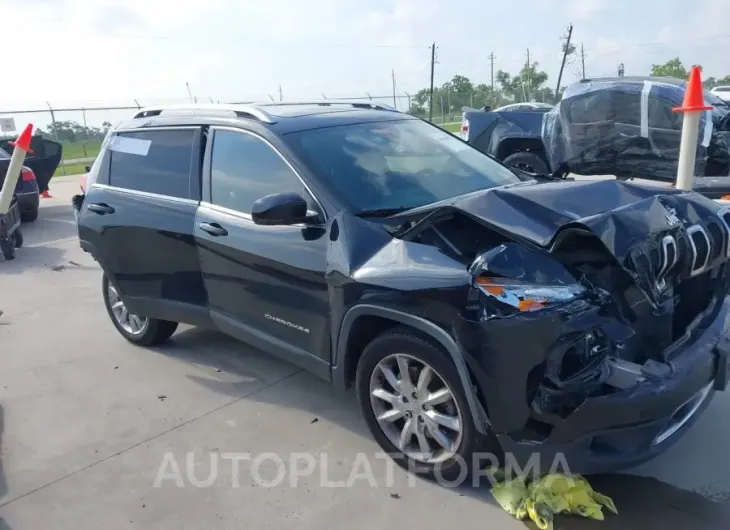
415	407
139	330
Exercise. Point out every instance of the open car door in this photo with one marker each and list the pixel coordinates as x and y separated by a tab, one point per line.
44	161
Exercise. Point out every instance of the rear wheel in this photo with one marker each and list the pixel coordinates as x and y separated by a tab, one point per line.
527	161
137	329
415	407
18	238
28	216
7	248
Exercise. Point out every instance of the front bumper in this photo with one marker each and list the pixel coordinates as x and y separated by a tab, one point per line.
627	427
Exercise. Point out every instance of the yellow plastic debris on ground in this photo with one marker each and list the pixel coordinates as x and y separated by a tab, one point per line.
552	494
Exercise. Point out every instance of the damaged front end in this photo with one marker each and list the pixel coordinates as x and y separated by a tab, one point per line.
604	340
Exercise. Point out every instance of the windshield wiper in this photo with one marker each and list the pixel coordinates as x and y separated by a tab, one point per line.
382	212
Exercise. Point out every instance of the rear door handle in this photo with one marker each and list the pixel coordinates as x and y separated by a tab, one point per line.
100	208
213	229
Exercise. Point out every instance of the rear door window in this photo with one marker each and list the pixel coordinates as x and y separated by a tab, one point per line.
661	115
152	161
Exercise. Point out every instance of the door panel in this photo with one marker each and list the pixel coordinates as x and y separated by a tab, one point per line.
44	160
146	243
267	279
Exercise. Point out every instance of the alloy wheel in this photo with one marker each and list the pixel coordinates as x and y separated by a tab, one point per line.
132	324
416	409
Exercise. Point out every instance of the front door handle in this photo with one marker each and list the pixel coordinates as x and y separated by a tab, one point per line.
213	229
100	208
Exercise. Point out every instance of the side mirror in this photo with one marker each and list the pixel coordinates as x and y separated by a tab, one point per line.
281	209
87	169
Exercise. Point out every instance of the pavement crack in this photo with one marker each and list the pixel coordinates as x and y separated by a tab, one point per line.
158	435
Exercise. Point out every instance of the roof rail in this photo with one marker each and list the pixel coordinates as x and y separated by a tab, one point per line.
358	104
240	111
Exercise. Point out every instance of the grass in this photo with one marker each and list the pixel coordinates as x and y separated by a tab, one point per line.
452	127
81	150
71	169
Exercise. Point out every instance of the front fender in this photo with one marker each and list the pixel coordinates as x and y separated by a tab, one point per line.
339	372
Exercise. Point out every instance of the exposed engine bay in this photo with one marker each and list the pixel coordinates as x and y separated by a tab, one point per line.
568	305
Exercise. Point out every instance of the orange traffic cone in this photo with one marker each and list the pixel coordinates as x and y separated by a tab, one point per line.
694	98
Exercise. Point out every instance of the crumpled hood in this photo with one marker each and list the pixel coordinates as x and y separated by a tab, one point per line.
616	211
629	219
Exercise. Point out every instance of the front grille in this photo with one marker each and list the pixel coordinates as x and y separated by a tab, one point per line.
692	297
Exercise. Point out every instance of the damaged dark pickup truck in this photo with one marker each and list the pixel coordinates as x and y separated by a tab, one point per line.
472	311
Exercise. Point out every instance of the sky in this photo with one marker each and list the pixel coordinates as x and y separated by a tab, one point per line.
111	52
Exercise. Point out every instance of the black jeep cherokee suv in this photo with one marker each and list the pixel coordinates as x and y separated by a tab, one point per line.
472	311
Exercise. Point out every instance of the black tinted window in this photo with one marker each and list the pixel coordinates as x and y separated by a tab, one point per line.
245	168
152	161
661	115
606	105
396	164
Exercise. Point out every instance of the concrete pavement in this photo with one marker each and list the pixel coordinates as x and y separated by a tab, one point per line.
99	434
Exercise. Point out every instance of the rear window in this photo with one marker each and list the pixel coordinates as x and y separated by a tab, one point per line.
152	161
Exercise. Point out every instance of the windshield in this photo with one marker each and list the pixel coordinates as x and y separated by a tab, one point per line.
396	165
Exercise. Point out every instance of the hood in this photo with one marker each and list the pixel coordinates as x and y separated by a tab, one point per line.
647	230
615	211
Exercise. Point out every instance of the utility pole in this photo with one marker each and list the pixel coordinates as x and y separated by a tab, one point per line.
491	67
566	50
430	96
392	73
529	81
583	59
281	94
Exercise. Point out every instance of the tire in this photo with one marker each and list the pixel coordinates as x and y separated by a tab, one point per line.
18	238
153	331
454	464
527	161
8	249
29	216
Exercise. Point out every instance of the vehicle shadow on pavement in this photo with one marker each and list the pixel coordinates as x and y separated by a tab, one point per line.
39	250
34	258
648	504
643	503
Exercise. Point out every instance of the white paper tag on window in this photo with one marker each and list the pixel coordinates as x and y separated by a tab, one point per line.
131	146
450	142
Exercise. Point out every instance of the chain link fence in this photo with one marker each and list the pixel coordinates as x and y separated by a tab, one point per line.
81	129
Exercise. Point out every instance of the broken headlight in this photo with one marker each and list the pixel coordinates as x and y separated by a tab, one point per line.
527	297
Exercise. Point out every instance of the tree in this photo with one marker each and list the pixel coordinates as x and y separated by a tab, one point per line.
449	99
672	68
71	131
526	86
675	68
